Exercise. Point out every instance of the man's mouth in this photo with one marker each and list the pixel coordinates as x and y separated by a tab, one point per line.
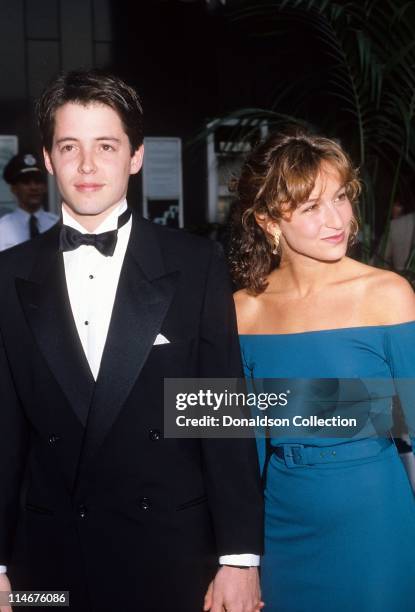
88	187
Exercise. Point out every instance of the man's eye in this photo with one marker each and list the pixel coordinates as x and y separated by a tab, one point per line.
66	148
107	147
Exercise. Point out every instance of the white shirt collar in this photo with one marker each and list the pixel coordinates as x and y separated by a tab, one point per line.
24	215
108	224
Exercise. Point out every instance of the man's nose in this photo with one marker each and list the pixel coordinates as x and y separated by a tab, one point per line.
87	163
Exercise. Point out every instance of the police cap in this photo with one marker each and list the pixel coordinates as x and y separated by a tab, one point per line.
22	165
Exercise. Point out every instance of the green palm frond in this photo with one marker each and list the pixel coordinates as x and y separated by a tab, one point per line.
369	46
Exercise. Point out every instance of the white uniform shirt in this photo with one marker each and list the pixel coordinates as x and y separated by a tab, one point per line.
14	227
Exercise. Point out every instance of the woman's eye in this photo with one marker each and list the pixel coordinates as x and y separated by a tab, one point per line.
310	208
341	197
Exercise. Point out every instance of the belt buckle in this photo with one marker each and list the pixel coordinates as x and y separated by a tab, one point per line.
291	452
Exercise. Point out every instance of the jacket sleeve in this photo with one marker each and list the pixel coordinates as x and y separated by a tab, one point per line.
13	445
230	465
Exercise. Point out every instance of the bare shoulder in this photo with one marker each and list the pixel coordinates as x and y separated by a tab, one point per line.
247	308
391	297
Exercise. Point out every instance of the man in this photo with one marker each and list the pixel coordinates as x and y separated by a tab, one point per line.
398	255
28	184
91	321
401	241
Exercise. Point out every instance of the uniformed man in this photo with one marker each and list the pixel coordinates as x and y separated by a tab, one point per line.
28	184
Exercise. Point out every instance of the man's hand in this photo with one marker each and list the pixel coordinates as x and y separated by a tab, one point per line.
234	590
5	588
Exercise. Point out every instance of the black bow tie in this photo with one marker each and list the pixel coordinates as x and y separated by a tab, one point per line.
70	239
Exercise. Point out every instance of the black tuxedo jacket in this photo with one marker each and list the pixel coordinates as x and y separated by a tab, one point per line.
111	510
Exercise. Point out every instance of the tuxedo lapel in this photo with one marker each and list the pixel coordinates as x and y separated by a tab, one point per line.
144	293
45	302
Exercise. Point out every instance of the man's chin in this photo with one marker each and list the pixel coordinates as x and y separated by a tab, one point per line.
91	212
32	207
86	209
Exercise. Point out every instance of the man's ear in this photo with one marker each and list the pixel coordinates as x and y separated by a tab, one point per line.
268	225
48	162
137	160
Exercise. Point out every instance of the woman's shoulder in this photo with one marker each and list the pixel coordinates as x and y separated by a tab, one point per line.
388	296
245	300
247	308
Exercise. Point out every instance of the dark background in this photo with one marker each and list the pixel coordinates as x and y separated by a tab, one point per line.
190	61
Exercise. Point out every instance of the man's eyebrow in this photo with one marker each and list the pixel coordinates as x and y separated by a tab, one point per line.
73	139
66	139
113	138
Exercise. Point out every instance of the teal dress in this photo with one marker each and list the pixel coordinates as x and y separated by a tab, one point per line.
339	535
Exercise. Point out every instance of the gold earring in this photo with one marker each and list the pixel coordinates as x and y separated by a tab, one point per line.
277	237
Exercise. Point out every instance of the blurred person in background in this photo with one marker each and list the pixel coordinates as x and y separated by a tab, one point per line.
398	254
401	240
28	184
397	209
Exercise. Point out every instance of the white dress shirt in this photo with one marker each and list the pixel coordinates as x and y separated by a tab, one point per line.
92	280
14	227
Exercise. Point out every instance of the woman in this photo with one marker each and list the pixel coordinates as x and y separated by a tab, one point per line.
340	521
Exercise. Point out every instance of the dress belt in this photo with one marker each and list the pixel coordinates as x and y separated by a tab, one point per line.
298	455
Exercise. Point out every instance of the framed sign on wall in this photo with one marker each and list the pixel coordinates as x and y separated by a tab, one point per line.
8	148
228	143
162	181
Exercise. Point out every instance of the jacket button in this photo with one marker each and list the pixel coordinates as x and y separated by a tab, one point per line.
53	438
154	435
82	512
145	503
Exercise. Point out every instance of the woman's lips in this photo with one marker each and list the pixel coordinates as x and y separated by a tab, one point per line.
88	187
335	238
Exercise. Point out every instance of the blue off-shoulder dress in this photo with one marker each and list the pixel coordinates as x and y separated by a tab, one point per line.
340	535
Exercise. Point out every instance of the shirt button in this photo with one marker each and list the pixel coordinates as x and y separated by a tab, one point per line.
154	435
82	512
53	438
86	323
145	503
91	276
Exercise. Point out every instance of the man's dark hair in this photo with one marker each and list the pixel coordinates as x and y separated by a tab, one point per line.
90	87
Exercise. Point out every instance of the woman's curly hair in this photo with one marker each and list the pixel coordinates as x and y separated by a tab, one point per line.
278	176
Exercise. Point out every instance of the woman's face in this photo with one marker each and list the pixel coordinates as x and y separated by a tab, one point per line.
320	227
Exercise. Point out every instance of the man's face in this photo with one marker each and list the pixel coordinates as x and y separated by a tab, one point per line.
91	160
29	191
